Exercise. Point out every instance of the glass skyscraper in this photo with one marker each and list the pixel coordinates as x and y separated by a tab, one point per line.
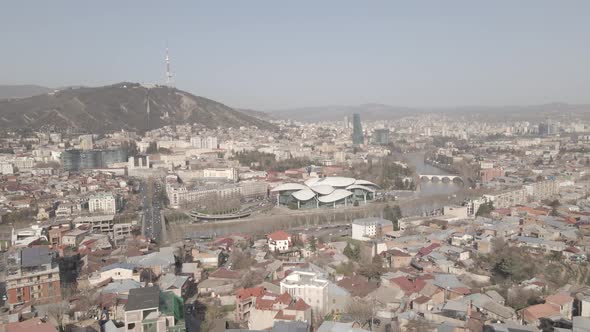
357	130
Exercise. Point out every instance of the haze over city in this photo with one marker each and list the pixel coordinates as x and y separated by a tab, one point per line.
303	166
271	55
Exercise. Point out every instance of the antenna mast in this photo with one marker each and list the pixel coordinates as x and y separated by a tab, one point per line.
147	97
168	74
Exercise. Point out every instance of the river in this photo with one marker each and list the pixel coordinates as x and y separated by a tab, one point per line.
428	188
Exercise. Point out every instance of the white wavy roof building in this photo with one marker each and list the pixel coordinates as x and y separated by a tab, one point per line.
326	190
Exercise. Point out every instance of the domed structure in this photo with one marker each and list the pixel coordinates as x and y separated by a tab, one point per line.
328	191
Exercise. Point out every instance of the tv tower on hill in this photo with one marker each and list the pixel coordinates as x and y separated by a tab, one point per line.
168	74
147	97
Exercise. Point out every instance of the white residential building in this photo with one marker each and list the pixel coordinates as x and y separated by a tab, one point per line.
103	203
310	287
507	198
6	168
368	228
210	142
542	190
230	174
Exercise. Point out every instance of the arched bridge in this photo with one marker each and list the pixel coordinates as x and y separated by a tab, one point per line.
440	177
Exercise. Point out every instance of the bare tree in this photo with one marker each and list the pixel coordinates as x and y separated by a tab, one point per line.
241	260
360	311
251	279
58	312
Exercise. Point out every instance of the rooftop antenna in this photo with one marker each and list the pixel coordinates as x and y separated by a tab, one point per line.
147	97
168	74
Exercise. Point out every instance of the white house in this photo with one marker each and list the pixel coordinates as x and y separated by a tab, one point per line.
279	241
117	271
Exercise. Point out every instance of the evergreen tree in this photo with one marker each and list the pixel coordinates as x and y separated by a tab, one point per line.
485	209
356	252
313	244
348	251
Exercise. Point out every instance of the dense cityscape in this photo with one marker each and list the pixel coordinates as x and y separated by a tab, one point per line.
401	225
302	166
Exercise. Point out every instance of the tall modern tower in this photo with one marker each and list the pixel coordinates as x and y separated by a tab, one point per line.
357	130
168	73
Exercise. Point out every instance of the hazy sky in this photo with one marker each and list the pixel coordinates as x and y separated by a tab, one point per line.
282	54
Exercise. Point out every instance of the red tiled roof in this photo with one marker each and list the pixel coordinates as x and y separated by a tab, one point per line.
300	305
541	310
422	299
357	286
427	250
89	242
279	236
559	299
224	241
408	286
281	315
268	299
461	290
285	298
245	293
572	250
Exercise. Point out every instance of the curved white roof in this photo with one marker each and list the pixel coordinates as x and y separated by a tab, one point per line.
358	186
289	187
304	194
337	195
322	189
311	181
365	183
336	181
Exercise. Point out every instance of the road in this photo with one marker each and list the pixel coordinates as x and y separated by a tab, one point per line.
151	206
325	232
191	321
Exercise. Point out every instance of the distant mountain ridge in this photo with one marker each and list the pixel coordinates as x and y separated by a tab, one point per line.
120	106
374	111
22	91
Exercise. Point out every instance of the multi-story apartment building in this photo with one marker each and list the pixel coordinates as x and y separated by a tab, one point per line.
204	143
230	174
542	190
105	224
368	228
147	310
24	163
67	209
507	198
103	203
310	287
488	174
6	168
33	277
179	195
